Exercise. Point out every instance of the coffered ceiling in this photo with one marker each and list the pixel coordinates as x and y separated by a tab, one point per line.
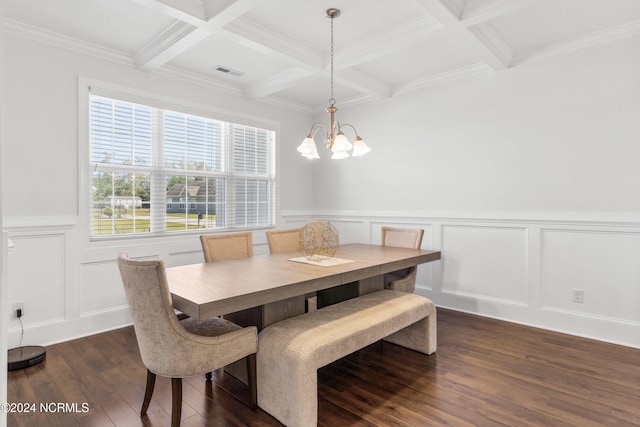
278	51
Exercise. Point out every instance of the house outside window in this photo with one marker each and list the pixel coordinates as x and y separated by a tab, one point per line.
156	171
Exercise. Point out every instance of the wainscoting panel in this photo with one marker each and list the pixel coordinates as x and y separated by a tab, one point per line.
523	266
100	287
517	267
37	268
38	275
350	230
604	265
485	262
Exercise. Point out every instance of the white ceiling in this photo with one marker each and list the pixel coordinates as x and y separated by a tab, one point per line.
382	47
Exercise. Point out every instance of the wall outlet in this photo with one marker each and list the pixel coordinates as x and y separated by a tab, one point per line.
14	309
578	295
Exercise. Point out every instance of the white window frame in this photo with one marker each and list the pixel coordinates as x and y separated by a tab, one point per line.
110	90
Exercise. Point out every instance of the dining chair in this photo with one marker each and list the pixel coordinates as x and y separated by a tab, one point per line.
220	247
284	240
228	246
177	349
405	279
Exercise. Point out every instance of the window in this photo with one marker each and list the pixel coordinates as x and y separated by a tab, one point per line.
155	171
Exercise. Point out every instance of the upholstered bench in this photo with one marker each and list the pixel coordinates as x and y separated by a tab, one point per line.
291	351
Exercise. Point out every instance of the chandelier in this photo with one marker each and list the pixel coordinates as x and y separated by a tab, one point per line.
337	142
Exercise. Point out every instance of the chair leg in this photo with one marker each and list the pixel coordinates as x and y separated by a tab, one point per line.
252	380
208	376
176	409
151	382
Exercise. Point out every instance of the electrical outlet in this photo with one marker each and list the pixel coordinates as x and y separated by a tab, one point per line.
578	296
14	309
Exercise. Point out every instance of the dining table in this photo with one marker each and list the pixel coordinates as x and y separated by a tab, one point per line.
263	289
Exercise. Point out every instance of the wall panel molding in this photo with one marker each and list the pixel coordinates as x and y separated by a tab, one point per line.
526	277
541	258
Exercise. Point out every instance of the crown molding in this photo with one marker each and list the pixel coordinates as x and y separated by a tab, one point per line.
164	45
59	40
490	45
454	7
91	49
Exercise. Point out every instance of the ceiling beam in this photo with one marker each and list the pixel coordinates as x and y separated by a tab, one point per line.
265	40
165	46
481	38
190	28
251	34
179	10
224	17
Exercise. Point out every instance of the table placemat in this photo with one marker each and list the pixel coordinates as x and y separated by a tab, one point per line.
324	262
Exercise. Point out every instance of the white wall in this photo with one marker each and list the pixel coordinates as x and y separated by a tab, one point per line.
559	134
71	287
527	180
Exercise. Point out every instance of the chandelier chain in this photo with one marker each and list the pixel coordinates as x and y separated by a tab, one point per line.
332	101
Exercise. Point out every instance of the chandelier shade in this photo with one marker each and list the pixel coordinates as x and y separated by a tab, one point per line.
308	148
337	142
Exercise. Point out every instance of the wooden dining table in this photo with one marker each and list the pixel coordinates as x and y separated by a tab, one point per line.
263	289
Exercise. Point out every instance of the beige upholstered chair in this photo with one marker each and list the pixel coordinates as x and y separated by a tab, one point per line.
281	241
220	247
177	349
405	279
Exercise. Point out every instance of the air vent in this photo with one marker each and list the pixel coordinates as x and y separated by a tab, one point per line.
228	70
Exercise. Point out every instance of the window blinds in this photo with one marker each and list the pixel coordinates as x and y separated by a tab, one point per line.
157	171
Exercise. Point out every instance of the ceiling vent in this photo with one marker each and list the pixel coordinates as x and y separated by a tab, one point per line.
228	70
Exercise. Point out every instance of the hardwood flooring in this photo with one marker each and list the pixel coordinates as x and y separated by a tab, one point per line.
484	373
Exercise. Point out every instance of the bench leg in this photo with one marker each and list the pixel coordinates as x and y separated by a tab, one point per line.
421	336
287	391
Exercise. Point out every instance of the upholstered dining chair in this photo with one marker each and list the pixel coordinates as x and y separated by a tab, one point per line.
405	279
220	247
288	240
281	241
227	246
176	349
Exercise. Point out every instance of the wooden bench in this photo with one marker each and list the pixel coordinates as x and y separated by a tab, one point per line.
291	351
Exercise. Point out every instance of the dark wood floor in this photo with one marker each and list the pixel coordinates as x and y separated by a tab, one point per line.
484	373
